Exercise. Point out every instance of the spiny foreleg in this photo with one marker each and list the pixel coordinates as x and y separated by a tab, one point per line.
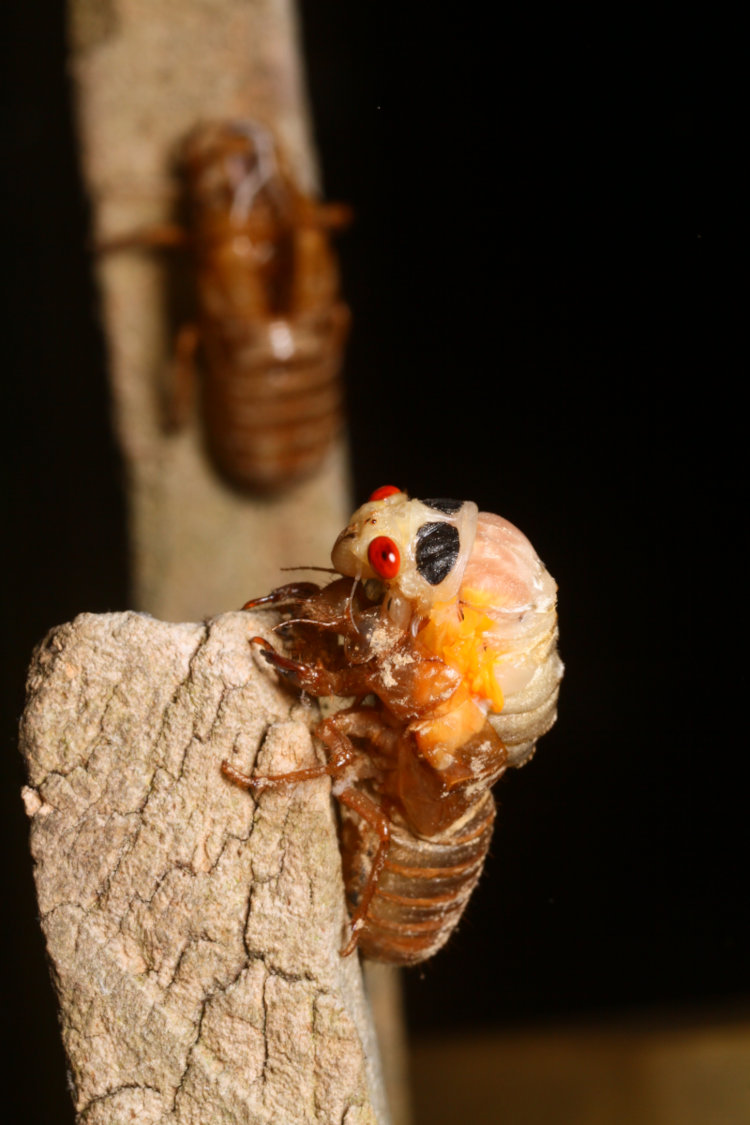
293	594
334	733
314	678
347	764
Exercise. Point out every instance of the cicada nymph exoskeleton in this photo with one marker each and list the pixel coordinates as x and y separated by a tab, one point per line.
269	326
443	627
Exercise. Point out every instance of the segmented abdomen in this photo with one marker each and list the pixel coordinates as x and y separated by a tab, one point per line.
273	396
424	887
427	882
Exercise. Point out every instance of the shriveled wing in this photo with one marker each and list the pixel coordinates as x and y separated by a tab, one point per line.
508	582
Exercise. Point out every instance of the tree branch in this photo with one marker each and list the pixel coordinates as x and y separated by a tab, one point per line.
144	75
193	932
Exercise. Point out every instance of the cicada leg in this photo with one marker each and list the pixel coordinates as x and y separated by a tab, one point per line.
362	722
290	594
180	399
334	734
342	752
315	679
159	236
334	767
373	815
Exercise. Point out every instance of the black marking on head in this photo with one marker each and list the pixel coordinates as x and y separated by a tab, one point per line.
443	505
437	550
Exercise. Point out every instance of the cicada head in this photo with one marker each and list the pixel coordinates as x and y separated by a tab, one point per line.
418	549
470	581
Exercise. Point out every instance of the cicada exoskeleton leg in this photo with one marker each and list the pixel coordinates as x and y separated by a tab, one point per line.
378	820
334	767
344	759
336	733
290	595
314	678
342	754
183	378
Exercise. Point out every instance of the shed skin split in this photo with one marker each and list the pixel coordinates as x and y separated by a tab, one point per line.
451	692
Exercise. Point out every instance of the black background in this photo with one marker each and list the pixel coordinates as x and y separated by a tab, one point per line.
543	281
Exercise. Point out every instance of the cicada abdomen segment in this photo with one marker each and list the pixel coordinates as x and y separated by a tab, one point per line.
531	712
273	396
425	885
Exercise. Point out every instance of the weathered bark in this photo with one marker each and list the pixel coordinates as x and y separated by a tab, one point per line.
194	932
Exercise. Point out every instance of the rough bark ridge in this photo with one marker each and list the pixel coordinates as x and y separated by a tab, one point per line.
193	931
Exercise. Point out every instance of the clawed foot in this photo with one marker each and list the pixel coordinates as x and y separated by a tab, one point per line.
354	927
305	677
292	670
285	595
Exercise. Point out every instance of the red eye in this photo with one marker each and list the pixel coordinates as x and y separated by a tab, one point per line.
384	557
381	493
